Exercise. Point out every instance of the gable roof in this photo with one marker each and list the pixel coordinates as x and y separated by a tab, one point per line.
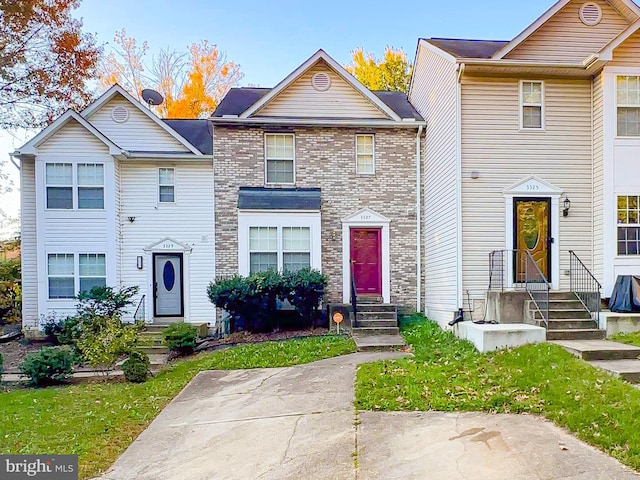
463	48
30	148
118	90
237	100
298	72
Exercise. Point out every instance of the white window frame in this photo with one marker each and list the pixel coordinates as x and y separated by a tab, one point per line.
167	185
78	186
283	251
373	152
75	186
523	104
72	276
76	272
266	158
627	225
72	186
276	251
280	251
623	105
80	276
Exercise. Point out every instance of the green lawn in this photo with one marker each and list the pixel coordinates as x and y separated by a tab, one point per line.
448	374
98	421
630	338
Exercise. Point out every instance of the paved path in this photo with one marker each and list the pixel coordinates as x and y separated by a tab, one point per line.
299	423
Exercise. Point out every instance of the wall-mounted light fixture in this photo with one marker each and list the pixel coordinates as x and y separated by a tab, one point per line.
139	263
131	219
475	174
567	206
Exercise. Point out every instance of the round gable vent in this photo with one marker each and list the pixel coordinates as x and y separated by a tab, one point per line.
119	114
590	13
321	81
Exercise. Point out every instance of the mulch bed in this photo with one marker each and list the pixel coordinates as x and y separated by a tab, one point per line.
247	337
14	352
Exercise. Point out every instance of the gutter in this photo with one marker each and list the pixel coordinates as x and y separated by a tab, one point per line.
418	223
165	156
12	160
234	120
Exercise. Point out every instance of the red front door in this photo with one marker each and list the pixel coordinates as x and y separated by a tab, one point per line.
366	260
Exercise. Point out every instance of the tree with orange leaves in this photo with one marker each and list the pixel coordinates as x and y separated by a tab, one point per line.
45	61
192	84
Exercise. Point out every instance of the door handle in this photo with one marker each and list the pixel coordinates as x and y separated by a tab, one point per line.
155	289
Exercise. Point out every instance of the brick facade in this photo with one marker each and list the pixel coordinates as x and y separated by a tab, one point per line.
325	158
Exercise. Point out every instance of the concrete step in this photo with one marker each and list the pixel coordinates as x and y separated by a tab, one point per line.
153	350
154	329
561	304
571	324
599	349
558	314
378	342
378	322
575	334
628	370
369	331
376	308
376	315
369	299
555	296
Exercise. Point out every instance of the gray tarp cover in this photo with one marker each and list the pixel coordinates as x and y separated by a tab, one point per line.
626	294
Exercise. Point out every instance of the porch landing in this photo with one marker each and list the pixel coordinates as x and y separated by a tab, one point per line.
489	337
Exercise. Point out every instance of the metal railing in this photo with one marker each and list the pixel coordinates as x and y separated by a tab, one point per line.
584	285
354	297
140	314
537	286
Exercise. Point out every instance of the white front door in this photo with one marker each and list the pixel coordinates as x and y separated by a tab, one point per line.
167	278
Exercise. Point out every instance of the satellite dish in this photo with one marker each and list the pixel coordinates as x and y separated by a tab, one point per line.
152	97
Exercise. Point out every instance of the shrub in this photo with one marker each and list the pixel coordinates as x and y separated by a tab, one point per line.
180	337
64	331
105	302
102	346
10	292
136	367
48	365
304	290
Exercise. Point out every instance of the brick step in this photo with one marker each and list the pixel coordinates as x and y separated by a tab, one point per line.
570	324
376	308
564	314
628	370
575	334
378	342
376	316
599	349
377	322
369	299
367	331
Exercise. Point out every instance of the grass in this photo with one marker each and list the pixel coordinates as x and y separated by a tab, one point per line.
629	338
448	374
98	421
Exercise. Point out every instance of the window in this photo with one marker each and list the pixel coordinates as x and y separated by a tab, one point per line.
279	154
61	275
263	249
92	271
365	159
628	225
531	100
91	186
166	185
296	248
59	180
628	105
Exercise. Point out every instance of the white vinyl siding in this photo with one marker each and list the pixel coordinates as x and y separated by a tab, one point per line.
279	158
628	105
627	54
564	38
341	100
61	278
59	178
365	154
91	186
434	94
28	247
166	185
92	271
531	105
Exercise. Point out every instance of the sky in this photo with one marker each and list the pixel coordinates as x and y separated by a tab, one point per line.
270	39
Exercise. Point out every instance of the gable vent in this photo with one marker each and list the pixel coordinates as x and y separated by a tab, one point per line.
321	81
590	14
120	114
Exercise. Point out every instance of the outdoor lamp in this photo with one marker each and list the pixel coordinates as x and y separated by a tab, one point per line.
567	206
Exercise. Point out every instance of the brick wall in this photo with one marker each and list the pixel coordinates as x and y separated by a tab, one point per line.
325	158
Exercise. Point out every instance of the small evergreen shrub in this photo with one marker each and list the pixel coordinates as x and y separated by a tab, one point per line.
136	367
304	290
181	337
48	365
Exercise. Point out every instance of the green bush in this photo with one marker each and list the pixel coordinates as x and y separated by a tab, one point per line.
48	365
180	337
10	292
304	290
136	367
102	347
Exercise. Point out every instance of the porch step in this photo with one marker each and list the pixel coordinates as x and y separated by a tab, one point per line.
362	299
153	350
599	349
576	334
571	324
373	331
377	322
378	342
376	308
556	296
565	313
383	315
628	370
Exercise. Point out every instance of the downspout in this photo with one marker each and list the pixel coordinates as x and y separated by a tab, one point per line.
459	184
418	224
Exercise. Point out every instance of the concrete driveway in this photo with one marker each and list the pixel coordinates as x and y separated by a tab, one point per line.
299	423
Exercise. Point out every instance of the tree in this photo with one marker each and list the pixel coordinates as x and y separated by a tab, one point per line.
45	61
393	72
192	83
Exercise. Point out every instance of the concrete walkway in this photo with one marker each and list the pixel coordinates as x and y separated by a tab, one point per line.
299	423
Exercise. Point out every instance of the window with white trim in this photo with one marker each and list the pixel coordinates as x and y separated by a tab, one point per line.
628	225
60	272
166	185
531	105
59	184
628	106
365	154
279	158
279	248
91	186
92	271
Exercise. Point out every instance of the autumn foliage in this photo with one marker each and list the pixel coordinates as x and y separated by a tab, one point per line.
392	72
45	61
192	83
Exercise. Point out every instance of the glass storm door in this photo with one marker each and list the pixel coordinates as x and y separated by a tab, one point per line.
366	260
532	231
167	278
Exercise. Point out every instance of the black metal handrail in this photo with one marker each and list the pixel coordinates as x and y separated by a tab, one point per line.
140	313
354	297
537	286
584	285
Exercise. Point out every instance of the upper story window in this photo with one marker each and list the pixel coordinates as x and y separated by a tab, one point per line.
628	105
365	154
166	185
61	182
280	157
531	105
628	225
